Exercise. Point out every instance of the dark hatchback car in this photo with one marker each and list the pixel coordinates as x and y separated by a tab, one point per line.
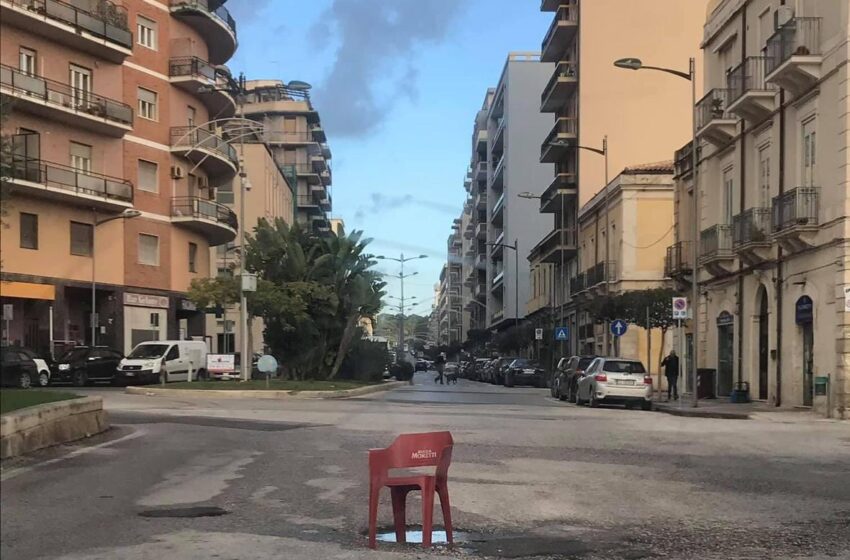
570	371
83	365
523	371
17	369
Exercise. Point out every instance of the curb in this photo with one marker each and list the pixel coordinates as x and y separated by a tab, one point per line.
261	394
697	413
48	424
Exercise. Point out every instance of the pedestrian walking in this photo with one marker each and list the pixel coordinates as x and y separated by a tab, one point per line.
440	364
671	371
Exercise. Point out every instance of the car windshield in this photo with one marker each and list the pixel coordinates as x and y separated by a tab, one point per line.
147	351
74	355
622	366
584	362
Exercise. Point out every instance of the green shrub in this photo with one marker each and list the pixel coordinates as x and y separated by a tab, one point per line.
402	371
366	361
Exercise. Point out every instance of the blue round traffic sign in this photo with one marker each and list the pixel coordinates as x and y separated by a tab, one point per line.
619	327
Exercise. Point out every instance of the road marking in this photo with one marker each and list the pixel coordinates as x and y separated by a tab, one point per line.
76	453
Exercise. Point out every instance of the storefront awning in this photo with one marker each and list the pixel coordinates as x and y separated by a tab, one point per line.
27	290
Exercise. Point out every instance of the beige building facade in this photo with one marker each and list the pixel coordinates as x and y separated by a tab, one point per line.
773	202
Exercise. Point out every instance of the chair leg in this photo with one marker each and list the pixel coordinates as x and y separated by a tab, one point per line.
427	513
374	494
447	512
399	496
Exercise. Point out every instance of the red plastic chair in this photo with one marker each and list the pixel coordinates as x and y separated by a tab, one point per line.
432	449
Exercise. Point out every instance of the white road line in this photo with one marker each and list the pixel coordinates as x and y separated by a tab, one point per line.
76	453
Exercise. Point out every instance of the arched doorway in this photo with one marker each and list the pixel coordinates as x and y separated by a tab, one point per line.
763	339
725	353
804	317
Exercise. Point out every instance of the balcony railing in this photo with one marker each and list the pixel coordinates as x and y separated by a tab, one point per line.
578	284
797	207
564	126
567	13
204	5
748	76
283	137
684	160
751	226
798	37
567	69
198	138
203	209
716	241
104	20
62	95
192	66
600	273
67	178
679	259
714	106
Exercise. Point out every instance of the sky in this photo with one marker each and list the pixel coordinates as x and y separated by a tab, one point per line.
397	84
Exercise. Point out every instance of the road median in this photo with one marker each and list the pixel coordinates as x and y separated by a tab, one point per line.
265	394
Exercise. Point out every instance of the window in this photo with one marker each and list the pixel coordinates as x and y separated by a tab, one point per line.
146	32
80	156
147	104
728	195
764	176
81	239
81	82
173	353
148	176
191	113
193	257
29	231
809	153
26	62
148	249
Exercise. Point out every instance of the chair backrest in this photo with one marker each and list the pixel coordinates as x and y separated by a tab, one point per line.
432	449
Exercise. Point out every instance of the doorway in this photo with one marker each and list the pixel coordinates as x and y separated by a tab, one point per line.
808	362
763	343
725	353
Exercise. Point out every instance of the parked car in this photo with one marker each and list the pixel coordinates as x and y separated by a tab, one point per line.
523	371
83	365
567	375
422	365
17	369
500	369
165	360
615	380
478	367
41	365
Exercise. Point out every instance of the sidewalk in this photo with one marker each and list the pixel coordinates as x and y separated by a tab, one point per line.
713	408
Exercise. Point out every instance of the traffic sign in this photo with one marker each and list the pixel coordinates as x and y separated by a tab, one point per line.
538	334
267	364
562	333
680	308
619	327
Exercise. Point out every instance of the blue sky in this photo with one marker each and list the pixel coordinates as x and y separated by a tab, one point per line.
398	84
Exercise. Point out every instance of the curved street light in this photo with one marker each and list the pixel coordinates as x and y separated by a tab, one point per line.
401	276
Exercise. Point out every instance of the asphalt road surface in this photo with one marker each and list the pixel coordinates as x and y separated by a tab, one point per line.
188	478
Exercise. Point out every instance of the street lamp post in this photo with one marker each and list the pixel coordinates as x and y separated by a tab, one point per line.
125	215
401	276
690	75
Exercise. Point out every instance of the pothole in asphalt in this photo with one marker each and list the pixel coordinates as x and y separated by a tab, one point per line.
415	537
190	512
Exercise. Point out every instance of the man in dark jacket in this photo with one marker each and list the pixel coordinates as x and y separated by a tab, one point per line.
440	364
671	372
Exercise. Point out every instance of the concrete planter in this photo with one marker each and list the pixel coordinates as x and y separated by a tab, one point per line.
44	425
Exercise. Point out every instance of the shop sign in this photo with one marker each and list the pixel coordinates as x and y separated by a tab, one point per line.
804	310
145	300
725	318
221	363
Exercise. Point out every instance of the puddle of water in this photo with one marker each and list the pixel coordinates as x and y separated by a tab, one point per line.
201	511
415	537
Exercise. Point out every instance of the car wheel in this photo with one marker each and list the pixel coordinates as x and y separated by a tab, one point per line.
25	381
646	405
43	379
81	379
562	396
509	380
594	402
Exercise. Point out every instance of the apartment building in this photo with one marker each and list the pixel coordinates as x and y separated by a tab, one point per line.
294	131
773	202
449	302
644	116
637	209
116	155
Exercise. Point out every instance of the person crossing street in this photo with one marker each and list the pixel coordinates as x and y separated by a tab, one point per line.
671	371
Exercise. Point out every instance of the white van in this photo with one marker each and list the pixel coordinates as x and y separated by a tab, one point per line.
168	360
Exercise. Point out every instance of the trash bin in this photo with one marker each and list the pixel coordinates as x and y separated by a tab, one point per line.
741	393
705	383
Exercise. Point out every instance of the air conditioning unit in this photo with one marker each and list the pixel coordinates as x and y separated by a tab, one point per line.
782	15
176	172
203	182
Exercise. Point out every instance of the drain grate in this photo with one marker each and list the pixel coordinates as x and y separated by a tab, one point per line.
201	511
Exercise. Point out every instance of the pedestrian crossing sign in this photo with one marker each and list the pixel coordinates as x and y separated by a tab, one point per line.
562	333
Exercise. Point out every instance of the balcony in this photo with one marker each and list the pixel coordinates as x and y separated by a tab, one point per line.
794	55
679	261
308	203
213	22
469	231
293	139
716	253
714	121
578	284
563	190
751	96
481	141
498	146
326	203
751	232
481	201
481	231
303	171
559	245
683	161
481	171
560	140
599	275
60	102
796	218
103	33
496	214
44	179
497	181
561	33
498	277
560	87
191	73
318	133
210	152
214	221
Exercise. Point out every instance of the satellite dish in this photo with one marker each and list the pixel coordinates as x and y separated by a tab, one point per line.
298	85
